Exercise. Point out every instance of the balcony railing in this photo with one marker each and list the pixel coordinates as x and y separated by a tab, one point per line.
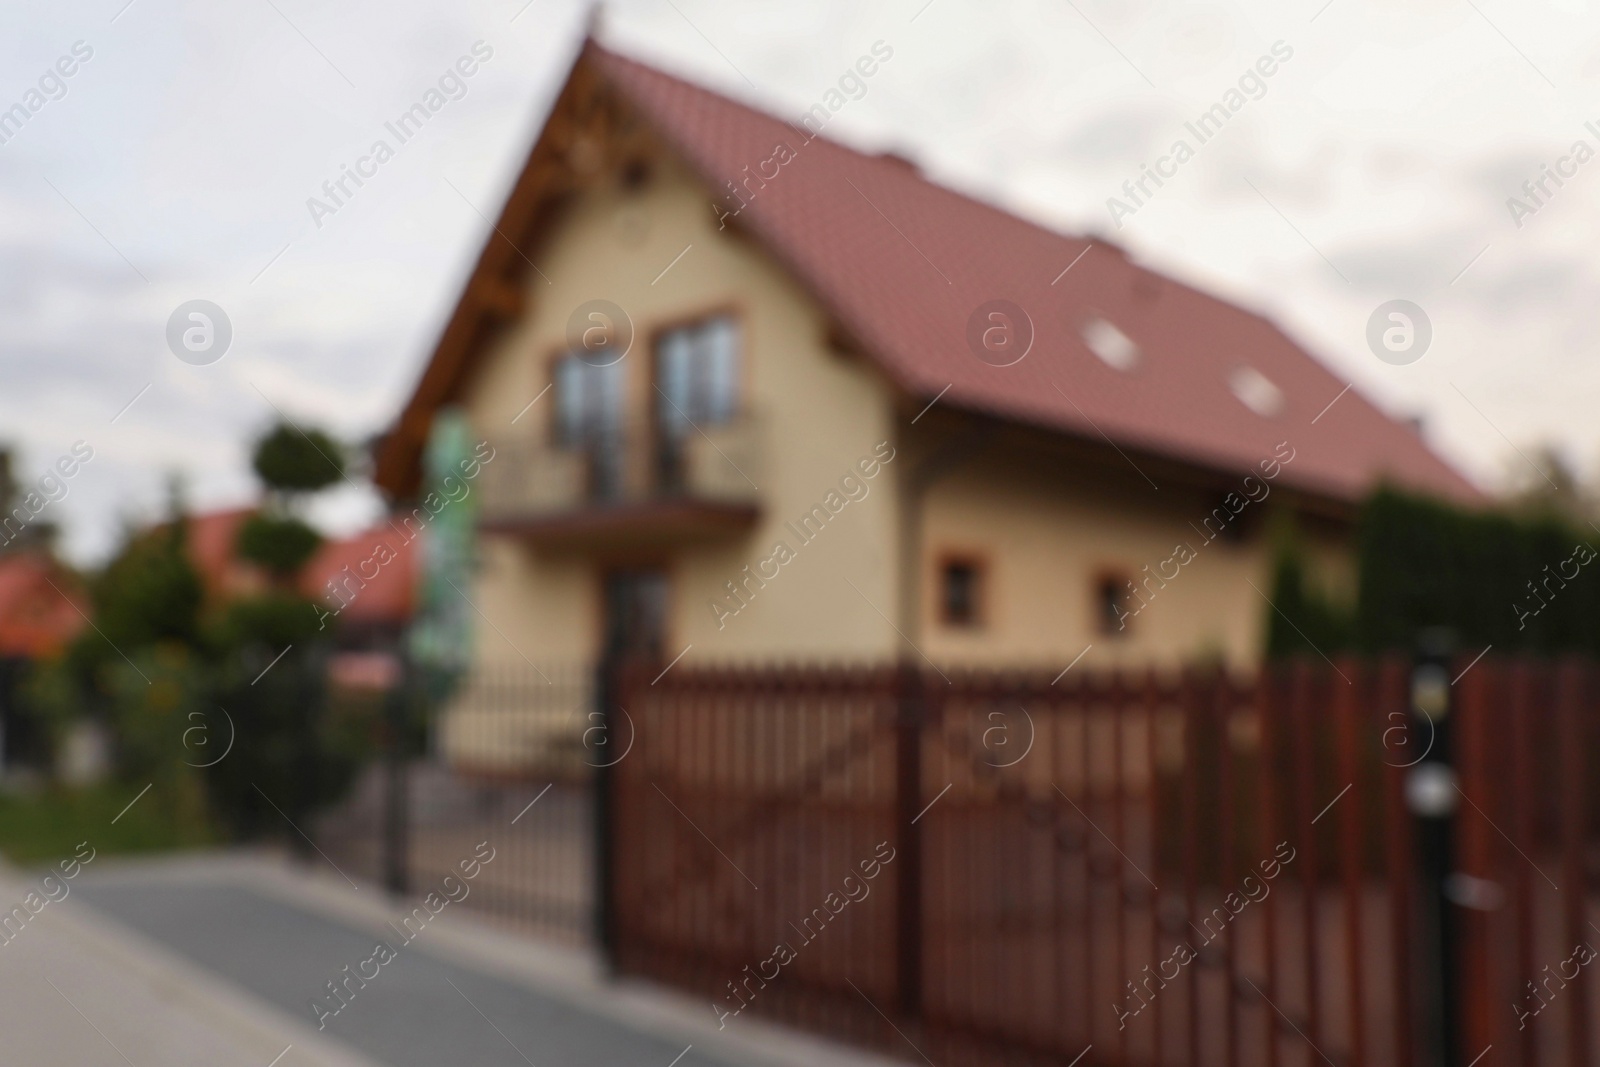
632	470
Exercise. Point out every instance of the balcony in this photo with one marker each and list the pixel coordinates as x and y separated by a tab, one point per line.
629	486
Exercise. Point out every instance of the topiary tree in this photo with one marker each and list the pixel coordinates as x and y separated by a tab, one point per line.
290	461
281	545
271	655
271	677
291	465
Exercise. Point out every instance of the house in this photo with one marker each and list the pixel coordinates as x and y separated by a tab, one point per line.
224	574
372	604
755	396
41	606
41	611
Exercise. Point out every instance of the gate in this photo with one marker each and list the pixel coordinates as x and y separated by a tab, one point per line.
746	799
503	763
1127	868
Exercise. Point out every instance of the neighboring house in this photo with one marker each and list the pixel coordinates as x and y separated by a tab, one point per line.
372	602
225	576
41	606
37	620
369	605
811	450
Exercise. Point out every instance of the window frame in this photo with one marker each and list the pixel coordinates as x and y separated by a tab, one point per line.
1116	578
979	593
557	425
742	363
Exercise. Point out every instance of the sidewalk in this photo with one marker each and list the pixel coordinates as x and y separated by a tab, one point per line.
268	936
76	991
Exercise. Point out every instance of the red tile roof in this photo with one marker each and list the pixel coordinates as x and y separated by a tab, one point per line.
388	597
212	536
35	619
903	263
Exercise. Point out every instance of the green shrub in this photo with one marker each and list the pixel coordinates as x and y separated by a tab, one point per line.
281	545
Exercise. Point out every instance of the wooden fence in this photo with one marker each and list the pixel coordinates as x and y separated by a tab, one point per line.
1135	868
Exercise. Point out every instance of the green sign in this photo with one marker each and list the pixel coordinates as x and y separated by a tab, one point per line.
446	508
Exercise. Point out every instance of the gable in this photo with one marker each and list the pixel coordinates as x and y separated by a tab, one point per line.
904	267
589	126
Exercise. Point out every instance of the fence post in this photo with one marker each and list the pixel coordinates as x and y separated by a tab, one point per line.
607	690
1432	796
396	865
307	686
910	714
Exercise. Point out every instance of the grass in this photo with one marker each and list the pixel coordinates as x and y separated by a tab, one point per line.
48	825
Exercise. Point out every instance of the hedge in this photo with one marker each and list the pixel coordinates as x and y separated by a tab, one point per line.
1520	583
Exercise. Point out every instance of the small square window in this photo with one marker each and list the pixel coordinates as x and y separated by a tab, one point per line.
1111	604
960	592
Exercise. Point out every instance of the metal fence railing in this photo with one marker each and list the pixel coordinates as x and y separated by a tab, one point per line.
1139	869
505	770
1357	863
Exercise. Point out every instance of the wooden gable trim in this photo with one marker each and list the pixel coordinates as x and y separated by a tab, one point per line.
586	117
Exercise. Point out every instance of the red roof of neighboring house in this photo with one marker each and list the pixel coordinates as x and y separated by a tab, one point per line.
384	592
212	535
36	618
903	263
389	595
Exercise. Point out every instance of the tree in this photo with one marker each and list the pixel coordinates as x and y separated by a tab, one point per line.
149	593
1303	617
280	544
289	461
141	670
291	465
271	656
1519	580
1547	484
30	534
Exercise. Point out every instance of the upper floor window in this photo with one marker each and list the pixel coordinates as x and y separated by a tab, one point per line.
697	373
588	390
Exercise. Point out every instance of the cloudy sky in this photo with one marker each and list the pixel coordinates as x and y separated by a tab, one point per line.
175	164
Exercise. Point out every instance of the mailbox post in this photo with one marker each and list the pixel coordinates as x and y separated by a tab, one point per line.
1433	798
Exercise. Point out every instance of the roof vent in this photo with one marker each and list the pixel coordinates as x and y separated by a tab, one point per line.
1115	348
1256	391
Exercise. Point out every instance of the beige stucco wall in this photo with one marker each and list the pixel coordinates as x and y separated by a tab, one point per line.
1046	531
822	412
